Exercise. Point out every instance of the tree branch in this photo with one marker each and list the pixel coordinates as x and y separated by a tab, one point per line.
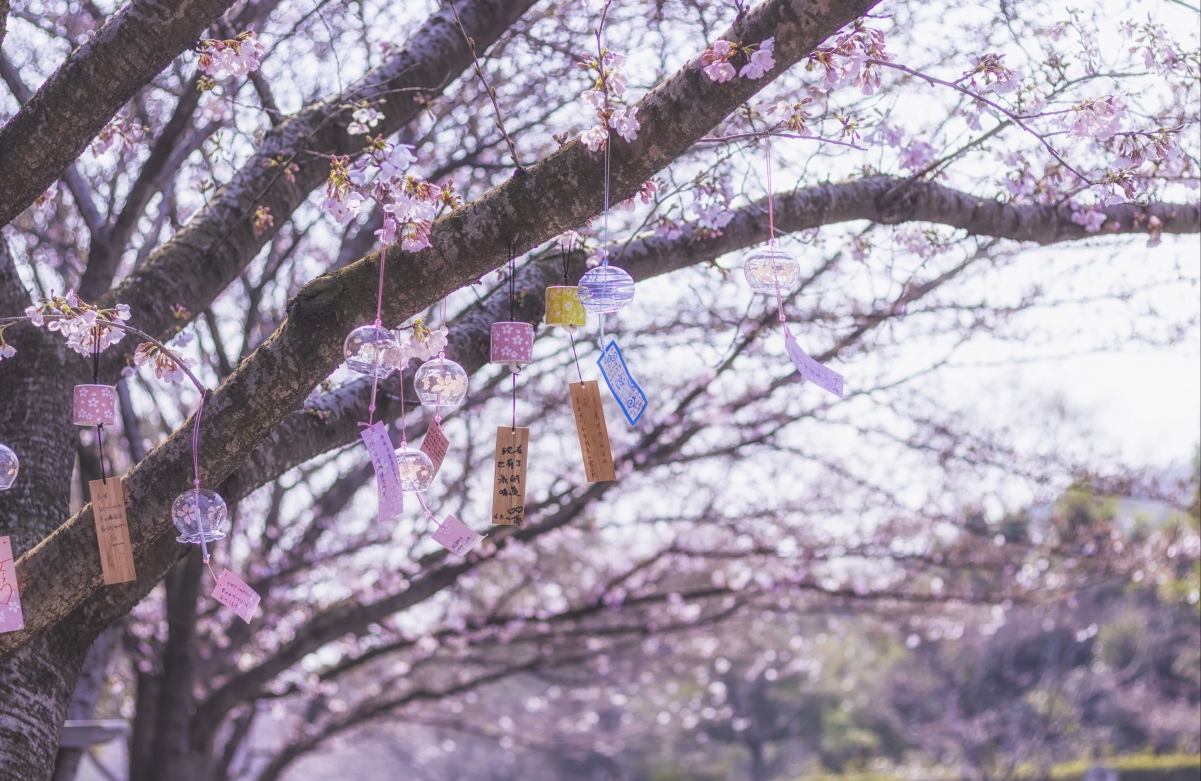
92	85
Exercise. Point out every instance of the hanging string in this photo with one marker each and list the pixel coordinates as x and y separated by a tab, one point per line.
771	239
577	357
204	548
379	310
404	440
428	514
96	381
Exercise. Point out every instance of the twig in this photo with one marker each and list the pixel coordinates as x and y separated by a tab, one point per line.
475	64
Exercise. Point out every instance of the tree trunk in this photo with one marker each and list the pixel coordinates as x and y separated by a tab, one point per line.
35	421
173	759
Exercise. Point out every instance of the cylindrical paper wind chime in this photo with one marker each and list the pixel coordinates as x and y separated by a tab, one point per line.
563	305
512	340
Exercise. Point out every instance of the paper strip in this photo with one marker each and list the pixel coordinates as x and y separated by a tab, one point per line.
233	592
112	530
456	536
629	396
435	444
811	370
387	471
593	433
508	479
11	618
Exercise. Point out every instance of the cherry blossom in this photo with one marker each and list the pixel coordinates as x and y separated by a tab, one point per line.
234	57
595	138
81	323
626	124
1097	119
761	61
365	118
605	97
119	130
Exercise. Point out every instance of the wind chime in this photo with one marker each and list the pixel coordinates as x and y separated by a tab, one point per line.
513	346
202	517
439	382
772	271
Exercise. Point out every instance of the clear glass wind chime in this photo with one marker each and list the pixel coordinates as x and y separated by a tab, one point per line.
440	383
603	290
772	271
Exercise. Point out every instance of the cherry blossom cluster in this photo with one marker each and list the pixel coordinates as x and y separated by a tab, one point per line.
166	365
81	323
849	60
717	66
792	114
234	57
118	131
606	98
994	77
424	345
365	117
410	203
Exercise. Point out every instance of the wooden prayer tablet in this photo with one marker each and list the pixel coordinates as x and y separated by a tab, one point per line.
594	435
508	481
112	530
435	445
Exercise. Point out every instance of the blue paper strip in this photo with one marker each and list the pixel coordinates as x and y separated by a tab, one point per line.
629	396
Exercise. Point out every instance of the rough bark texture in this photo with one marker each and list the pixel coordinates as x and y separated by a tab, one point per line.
36	684
91	86
221	239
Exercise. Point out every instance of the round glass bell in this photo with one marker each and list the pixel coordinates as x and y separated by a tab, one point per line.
371	349
606	289
768	266
8	467
440	383
199	514
415	469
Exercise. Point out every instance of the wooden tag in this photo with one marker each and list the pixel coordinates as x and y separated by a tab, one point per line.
435	445
594	435
233	592
508	488
112	530
11	618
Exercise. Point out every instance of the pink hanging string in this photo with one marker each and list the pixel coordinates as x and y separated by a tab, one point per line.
204	548
428	514
771	238
379	310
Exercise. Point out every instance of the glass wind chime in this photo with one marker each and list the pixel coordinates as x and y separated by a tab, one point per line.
440	383
772	271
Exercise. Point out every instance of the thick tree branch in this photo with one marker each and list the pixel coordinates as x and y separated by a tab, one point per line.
92	85
559	193
221	239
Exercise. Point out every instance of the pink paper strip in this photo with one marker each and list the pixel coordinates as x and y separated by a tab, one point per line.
456	536
233	592
387	471
11	618
811	370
